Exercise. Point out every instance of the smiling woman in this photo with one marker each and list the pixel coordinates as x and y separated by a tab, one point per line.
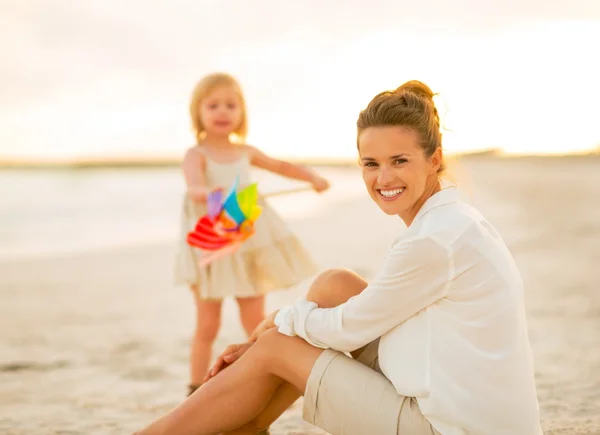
395	131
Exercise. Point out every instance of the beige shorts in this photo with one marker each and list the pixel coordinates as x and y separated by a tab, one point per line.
345	396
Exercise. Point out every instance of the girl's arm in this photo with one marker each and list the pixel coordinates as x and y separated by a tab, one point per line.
287	169
193	171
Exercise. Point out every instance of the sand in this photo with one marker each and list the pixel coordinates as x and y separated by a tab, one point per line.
97	342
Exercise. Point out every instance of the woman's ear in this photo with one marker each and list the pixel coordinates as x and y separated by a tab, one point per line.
436	160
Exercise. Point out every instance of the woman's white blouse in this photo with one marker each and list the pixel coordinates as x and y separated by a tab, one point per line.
448	306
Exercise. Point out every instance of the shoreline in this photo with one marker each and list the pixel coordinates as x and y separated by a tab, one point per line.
172	161
69	254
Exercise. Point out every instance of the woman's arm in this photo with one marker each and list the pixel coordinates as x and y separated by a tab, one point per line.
286	169
415	274
193	171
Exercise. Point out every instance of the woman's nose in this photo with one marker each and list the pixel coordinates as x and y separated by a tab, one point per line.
385	176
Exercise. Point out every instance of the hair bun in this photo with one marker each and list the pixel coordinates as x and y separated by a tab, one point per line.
416	87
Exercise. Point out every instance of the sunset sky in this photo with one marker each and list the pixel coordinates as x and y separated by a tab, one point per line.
84	78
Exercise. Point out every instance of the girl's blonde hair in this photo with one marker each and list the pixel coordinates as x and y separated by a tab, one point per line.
201	91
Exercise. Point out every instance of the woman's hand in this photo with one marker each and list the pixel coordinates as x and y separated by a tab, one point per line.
232	353
320	184
265	325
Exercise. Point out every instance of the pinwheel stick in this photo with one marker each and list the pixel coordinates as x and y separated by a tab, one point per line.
287	191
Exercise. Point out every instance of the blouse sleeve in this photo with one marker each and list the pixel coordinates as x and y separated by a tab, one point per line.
415	274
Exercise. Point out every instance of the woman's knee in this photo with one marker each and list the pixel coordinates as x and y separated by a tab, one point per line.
268	342
289	358
334	287
272	345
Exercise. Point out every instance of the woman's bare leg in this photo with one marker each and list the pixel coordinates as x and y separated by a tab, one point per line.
329	289
242	391
283	397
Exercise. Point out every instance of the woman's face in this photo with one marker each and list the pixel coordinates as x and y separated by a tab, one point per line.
221	111
397	173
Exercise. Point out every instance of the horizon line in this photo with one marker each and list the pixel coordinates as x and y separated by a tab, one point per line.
100	161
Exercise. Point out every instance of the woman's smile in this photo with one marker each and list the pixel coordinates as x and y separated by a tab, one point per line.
390	194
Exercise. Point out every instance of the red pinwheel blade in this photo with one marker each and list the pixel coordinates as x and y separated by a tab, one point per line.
201	241
205	237
205	224
210	238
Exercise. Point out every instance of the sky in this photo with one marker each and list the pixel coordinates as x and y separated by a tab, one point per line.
83	78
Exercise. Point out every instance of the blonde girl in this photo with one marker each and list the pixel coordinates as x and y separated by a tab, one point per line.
273	258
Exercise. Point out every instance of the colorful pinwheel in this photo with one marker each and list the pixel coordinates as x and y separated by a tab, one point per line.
228	223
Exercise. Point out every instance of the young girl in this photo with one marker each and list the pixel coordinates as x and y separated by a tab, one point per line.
272	258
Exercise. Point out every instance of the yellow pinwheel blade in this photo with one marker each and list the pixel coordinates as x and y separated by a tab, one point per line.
255	213
247	199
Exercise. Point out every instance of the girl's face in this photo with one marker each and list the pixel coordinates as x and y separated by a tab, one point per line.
396	171
221	111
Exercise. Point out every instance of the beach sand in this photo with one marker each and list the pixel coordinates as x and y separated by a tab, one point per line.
97	342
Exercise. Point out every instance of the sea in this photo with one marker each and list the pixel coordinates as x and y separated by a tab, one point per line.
49	212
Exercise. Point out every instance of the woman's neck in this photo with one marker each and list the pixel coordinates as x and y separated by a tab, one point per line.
432	187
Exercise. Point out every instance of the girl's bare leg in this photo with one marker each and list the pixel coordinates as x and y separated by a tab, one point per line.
329	289
242	391
208	319
252	312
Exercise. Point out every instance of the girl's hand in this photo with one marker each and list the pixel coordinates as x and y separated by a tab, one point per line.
198	193
231	354
320	184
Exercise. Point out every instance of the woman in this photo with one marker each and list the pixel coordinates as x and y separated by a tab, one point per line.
438	340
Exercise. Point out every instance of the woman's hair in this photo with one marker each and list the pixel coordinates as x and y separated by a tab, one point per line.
202	89
411	105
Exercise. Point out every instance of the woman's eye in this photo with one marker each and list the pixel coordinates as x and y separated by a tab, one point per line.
370	164
400	161
212	106
231	106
